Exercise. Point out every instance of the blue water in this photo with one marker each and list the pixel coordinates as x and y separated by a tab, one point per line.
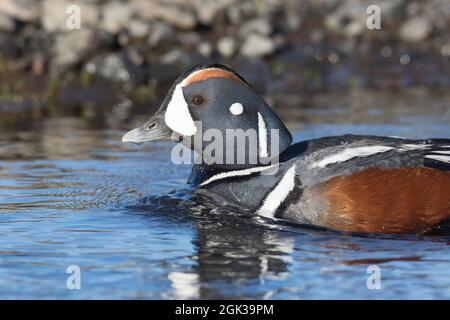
71	195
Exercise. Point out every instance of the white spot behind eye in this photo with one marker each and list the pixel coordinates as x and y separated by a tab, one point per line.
236	108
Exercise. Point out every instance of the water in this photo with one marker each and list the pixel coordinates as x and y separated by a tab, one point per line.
70	194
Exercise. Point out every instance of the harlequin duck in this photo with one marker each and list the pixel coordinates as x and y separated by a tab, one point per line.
349	183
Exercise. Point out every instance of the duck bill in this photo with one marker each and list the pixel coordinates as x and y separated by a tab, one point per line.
154	129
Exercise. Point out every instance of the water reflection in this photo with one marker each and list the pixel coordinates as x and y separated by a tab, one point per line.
74	194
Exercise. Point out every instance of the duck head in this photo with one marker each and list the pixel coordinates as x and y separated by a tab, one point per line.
213	105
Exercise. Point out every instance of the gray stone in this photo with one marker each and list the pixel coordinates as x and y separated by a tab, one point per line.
177	16
205	49
138	29
160	32
260	26
207	10
54	16
180	57
226	47
256	45
234	15
415	29
23	10
438	13
72	47
110	66
6	23
172	57
347	20
116	16
189	39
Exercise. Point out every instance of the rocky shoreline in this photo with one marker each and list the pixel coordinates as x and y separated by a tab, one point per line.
134	49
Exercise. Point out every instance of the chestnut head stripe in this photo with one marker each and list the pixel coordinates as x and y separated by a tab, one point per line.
205	74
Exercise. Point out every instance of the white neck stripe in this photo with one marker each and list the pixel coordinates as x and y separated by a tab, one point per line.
262	137
244	172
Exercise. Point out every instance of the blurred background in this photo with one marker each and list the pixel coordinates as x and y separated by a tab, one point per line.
127	53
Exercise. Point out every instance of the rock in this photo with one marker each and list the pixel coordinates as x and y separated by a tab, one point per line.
260	26
347	20
129	67
205	49
207	10
6	23
173	56
179	17
415	29
189	39
72	47
293	22
55	15
257	45
234	15
110	66
116	16
226	47
349	17
438	13
180	57
22	10
138	29
160	32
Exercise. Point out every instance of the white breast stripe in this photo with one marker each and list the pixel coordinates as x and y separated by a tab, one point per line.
177	116
350	153
278	194
441	152
445	159
235	173
262	137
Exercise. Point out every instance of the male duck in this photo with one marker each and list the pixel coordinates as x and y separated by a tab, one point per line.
349	183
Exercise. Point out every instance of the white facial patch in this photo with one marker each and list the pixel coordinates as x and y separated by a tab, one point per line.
278	194
236	109
262	137
350	153
177	116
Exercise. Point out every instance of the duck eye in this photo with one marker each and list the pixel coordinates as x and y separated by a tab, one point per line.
151	126
198	100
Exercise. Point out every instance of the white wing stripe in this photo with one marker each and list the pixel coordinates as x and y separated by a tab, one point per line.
445	159
350	153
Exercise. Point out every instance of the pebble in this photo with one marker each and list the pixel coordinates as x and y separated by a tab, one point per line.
257	45
226	46
416	29
22	10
